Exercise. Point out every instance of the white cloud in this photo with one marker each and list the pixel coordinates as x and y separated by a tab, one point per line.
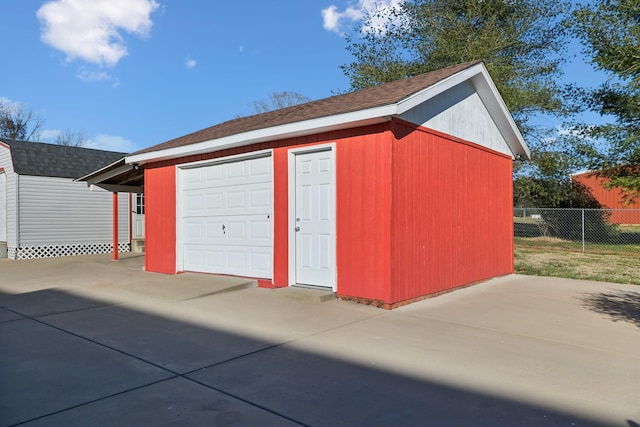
111	143
8	103
49	135
334	20
90	30
190	63
87	75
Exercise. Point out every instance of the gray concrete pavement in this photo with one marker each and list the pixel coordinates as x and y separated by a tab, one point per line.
84	340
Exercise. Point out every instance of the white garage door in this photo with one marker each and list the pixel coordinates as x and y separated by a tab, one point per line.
227	218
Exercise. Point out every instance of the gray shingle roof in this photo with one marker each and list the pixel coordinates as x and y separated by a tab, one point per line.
40	159
370	97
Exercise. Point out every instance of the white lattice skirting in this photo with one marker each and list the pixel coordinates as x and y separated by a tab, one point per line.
48	251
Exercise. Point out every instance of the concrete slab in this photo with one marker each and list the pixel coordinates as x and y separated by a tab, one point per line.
44	370
6	315
318	390
47	302
581	313
264	315
190	286
297	292
173	344
539	372
173	402
66	272
516	350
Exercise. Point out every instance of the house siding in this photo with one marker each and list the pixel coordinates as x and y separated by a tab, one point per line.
451	219
60	211
7	165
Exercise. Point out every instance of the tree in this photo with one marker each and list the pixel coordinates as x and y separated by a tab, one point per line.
278	100
610	31
520	42
19	123
548	183
71	138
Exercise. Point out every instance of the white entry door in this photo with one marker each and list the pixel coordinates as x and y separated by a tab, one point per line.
315	219
3	207
226	223
137	217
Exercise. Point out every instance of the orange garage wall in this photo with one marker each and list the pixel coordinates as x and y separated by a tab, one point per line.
160	219
451	219
363	198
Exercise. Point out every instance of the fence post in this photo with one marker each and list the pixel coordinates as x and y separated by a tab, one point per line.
583	230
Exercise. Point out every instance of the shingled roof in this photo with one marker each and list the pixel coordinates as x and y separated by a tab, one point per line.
40	159
371	97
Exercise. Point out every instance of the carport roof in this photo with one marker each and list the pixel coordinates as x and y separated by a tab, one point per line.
40	159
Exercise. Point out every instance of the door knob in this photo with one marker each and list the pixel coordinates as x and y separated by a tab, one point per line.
297	228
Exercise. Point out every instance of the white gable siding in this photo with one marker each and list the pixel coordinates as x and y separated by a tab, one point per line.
59	211
460	112
7	165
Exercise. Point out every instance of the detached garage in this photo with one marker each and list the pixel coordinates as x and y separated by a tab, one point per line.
383	195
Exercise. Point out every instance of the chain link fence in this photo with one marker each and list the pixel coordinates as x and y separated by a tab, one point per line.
586	230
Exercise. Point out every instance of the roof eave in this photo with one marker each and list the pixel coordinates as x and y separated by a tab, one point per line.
500	113
476	74
302	128
103	173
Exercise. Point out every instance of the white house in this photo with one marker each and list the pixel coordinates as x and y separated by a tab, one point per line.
44	213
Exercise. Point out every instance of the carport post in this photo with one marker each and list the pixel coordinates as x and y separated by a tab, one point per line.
115	226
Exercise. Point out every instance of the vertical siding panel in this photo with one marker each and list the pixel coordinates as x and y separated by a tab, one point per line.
363	216
160	219
451	214
280	217
12	195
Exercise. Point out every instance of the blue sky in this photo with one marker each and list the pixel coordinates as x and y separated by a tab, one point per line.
133	73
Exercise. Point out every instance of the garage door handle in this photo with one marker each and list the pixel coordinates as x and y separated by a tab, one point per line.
223	229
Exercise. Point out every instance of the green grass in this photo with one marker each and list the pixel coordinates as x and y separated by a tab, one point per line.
629	228
543	256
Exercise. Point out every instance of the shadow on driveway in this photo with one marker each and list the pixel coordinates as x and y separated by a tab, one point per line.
619	306
69	360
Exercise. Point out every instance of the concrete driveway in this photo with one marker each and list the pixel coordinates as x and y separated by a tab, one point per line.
87	341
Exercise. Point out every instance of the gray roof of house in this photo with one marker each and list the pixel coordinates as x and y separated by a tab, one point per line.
40	159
